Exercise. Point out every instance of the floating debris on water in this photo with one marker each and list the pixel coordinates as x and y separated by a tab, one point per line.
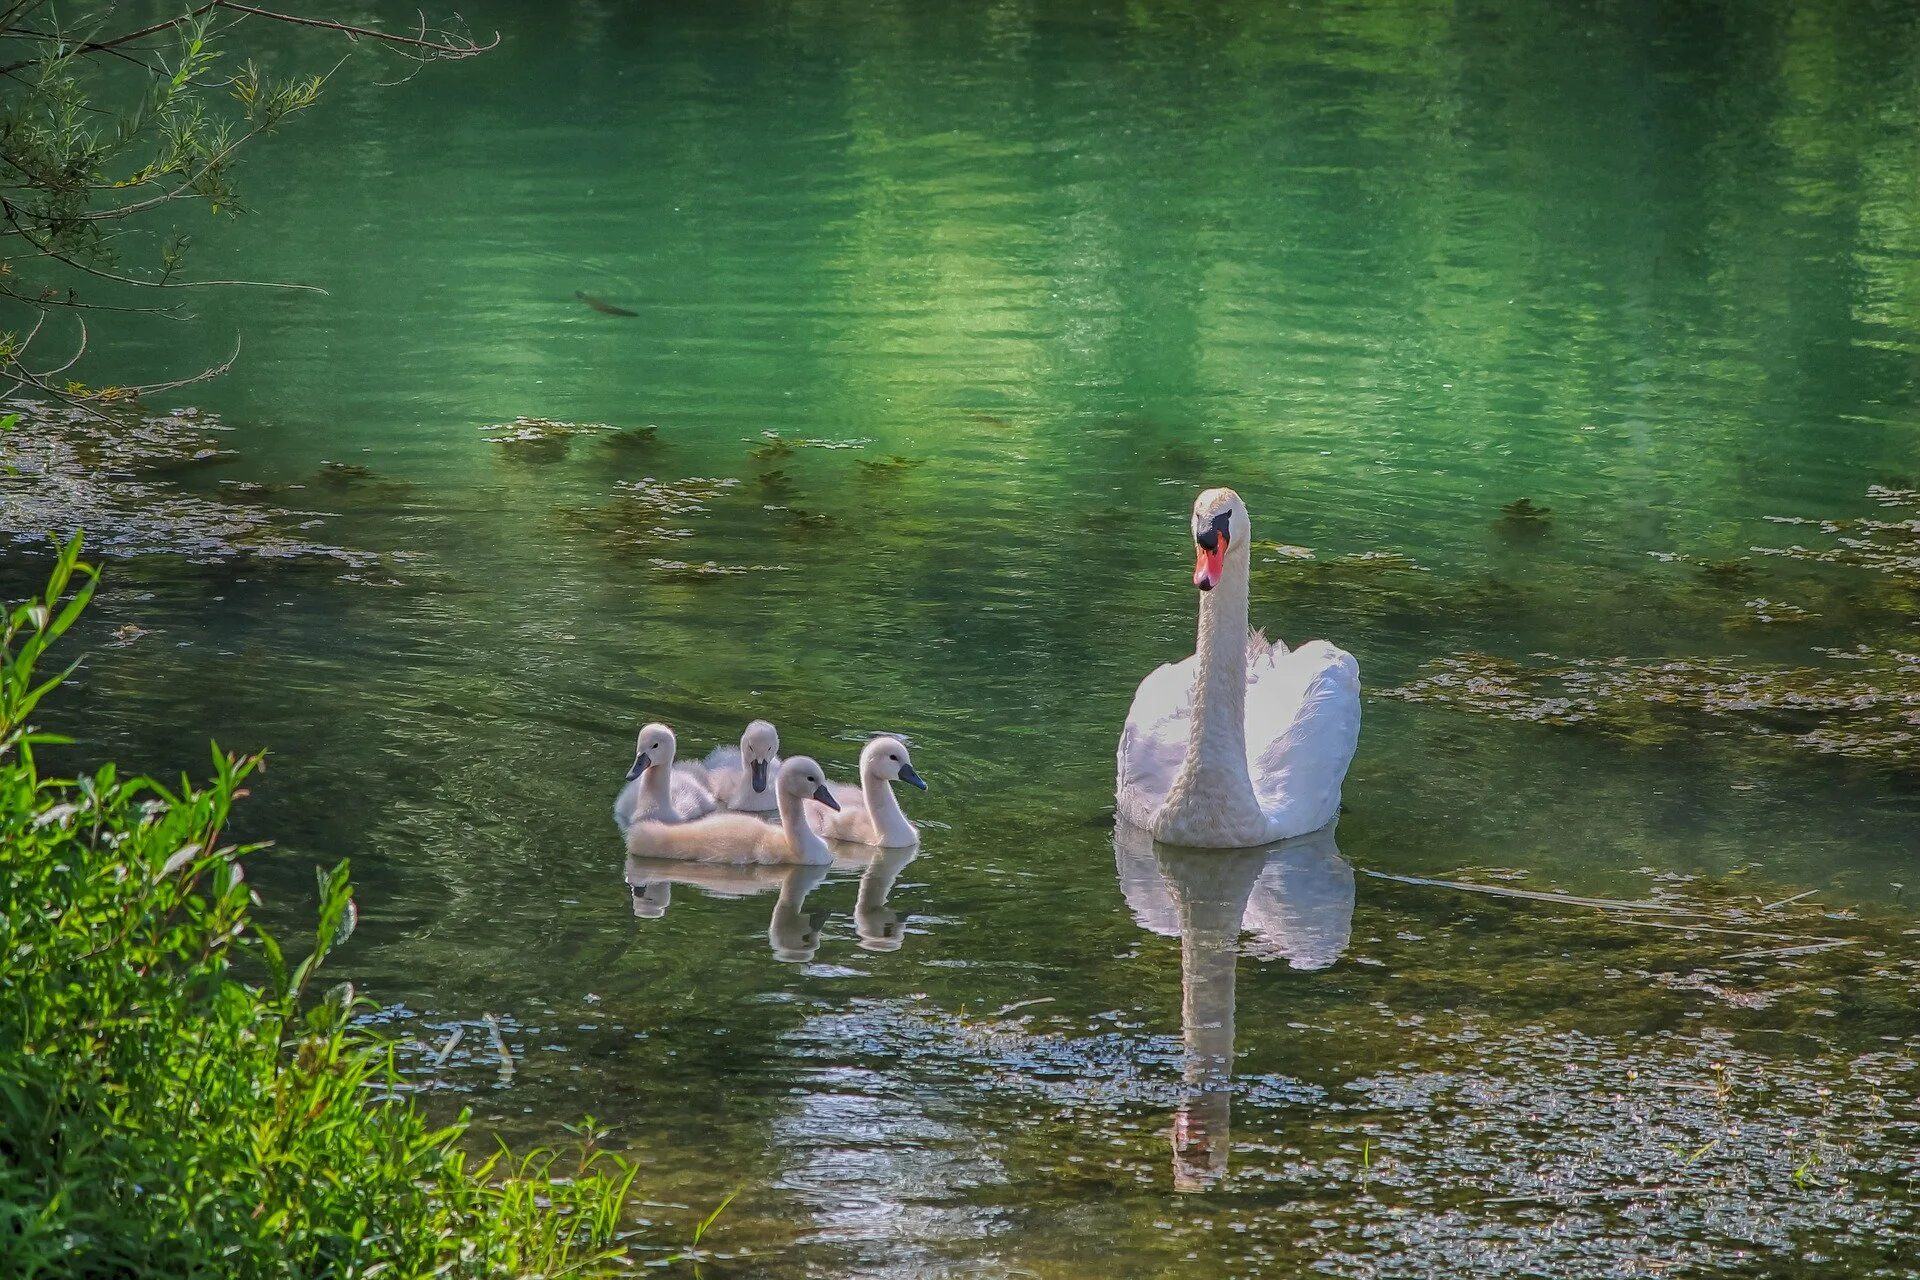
601	305
126	634
1286	551
64	469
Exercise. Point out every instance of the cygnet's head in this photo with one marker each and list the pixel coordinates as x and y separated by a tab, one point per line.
759	745
1219	526
887	759
803	779
655	746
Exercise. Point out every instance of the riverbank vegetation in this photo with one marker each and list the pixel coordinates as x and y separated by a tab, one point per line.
178	1095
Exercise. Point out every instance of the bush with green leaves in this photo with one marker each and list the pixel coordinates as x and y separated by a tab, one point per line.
160	1114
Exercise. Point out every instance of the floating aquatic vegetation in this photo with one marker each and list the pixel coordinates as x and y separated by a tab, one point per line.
1521	518
1309	567
688	497
801	521
772	445
64	469
1868	710
710	569
1764	612
650	509
892	465
538	430
1884	546
541	439
632	439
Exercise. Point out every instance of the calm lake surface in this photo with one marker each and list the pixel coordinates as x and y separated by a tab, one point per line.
943	314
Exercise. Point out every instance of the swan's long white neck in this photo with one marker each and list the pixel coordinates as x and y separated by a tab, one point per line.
656	786
1213	792
801	840
890	823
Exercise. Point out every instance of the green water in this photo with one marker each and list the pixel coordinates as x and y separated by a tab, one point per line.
1385	269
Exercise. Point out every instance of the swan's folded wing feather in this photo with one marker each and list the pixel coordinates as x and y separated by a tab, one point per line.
849	822
1303	723
689	796
1154	743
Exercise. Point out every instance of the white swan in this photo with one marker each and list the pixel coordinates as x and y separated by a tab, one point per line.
740	837
870	814
1243	743
655	790
742	777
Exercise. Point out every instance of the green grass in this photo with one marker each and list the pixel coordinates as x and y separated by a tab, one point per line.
159	1115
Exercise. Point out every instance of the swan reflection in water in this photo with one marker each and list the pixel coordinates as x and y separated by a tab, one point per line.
1296	900
793	932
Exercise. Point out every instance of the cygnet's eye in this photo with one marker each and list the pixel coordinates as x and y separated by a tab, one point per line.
895	759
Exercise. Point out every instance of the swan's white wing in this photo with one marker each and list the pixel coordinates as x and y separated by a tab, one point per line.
1154	742
849	822
689	796
1303	722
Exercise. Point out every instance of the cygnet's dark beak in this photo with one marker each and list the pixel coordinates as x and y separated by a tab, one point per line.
908	775
825	796
641	763
759	775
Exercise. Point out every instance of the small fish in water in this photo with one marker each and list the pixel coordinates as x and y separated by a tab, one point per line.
603	306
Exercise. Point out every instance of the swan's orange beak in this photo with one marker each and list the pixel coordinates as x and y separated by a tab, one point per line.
1208	563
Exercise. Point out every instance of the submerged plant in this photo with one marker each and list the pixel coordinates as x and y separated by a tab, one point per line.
176	1095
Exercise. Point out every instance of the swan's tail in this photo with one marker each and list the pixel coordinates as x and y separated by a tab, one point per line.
1260	649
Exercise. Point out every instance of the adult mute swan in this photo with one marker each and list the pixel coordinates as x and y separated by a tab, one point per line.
741	777
655	791
871	814
740	837
1243	743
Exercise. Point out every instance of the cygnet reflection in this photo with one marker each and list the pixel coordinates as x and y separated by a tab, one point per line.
1295	898
793	932
880	927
